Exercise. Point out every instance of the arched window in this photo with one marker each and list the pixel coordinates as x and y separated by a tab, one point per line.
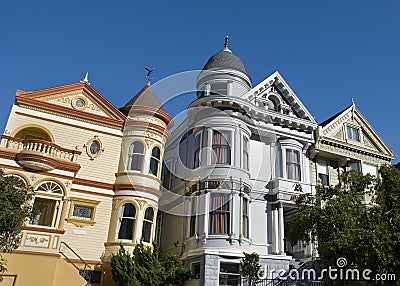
135	156
147	224
272	105
221	147
155	161
47	204
127	221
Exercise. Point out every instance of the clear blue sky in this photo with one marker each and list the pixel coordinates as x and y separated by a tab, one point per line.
328	51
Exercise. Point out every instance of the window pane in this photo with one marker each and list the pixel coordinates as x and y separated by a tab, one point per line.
43	211
135	156
146	234
126	229
219	214
218	88
155	152
83	212
129	210
245	153
221	147
127	221
149	214
293	165
245	218
353	134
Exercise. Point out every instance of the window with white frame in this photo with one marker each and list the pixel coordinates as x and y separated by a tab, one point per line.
219	215
221	147
369	169
155	160
245	153
293	167
127	221
135	156
353	133
322	171
47	204
147	224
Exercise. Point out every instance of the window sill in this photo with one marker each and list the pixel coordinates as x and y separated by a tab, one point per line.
43	229
80	222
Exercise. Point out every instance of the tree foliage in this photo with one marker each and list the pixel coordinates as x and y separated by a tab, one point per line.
145	268
14	210
367	235
250	267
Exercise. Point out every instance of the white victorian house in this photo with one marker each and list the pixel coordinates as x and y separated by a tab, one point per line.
233	171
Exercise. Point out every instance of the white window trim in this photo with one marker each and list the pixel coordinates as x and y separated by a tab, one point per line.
290	144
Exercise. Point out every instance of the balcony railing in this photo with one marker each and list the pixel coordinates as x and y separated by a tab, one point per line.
44	153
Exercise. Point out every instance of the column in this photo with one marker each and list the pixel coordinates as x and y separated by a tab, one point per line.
275	230
281	229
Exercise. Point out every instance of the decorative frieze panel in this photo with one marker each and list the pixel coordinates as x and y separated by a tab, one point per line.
352	154
37	240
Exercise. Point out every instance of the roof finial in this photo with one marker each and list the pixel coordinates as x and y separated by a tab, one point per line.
226	42
352	101
86	78
149	72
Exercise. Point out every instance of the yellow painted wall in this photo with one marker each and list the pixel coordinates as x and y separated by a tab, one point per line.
41	270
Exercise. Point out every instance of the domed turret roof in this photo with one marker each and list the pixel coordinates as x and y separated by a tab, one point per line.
225	59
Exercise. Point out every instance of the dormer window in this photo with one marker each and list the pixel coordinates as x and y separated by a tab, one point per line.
353	133
218	88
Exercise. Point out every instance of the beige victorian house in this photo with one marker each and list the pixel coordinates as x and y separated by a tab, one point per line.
95	171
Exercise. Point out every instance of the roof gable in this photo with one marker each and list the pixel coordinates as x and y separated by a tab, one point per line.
79	100
336	129
276	87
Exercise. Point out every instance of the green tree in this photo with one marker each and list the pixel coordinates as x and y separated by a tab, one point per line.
368	236
14	211
144	267
250	268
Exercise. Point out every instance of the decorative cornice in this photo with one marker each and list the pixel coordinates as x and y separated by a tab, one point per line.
138	188
43	229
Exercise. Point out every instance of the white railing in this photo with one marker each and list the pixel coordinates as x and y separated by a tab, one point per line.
41	147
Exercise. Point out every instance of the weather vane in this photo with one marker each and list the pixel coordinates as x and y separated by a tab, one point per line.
149	72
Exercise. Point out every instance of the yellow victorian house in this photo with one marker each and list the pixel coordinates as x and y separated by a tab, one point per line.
95	171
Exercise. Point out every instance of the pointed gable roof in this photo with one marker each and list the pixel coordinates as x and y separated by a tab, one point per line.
61	99
146	101
332	130
288	95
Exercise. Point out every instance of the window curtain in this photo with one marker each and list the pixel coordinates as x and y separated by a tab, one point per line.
293	164
245	218
219	214
245	153
221	147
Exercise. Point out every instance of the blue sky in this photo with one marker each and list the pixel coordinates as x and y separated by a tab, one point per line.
328	51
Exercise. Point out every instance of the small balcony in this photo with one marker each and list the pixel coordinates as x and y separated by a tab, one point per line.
39	155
